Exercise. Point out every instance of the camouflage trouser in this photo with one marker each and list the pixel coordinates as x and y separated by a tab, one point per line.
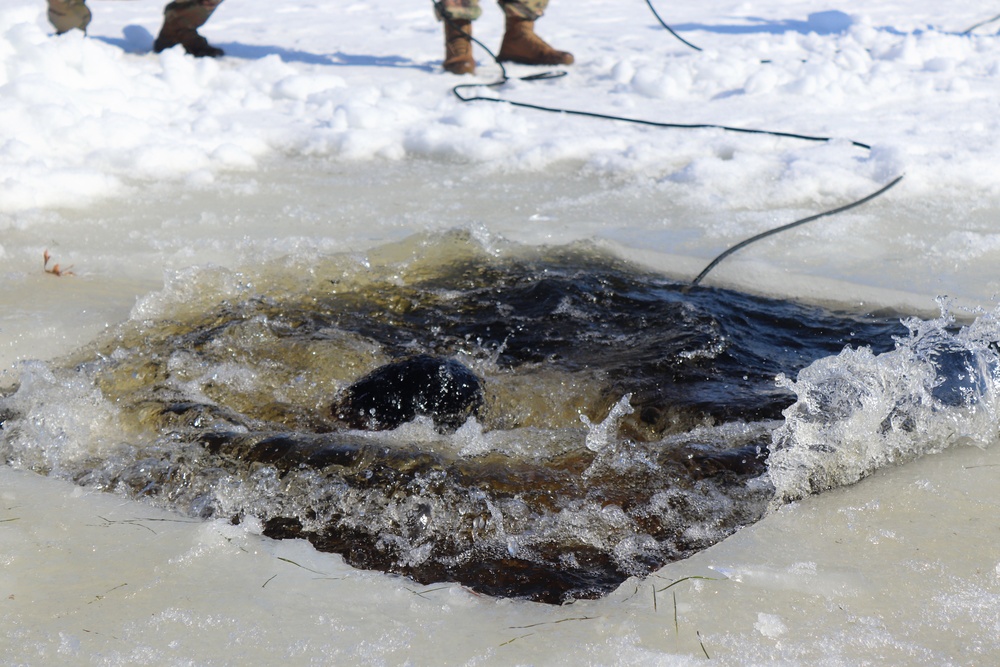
470	10
189	14
66	15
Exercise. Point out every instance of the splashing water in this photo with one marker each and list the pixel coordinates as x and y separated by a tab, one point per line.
626	420
599	435
859	411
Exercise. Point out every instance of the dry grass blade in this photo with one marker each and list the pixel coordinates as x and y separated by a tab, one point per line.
562	620
703	649
288	560
671	585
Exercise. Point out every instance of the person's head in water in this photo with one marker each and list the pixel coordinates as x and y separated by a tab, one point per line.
442	389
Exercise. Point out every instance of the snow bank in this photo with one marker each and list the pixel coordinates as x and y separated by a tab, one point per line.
85	118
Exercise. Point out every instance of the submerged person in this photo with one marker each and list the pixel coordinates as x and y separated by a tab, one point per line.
181	20
520	43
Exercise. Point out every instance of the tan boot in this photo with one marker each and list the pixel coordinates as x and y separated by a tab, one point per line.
66	15
521	45
181	20
458	47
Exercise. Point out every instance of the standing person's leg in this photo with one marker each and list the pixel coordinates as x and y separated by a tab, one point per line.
66	15
458	16
181	20
520	43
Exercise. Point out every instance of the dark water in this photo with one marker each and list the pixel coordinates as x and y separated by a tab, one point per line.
625	420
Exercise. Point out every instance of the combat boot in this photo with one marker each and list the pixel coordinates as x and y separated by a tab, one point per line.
458	47
521	45
181	20
65	15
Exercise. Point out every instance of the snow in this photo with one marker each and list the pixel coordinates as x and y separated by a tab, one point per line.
85	117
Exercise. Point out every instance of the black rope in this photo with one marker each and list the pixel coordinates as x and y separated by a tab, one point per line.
638	121
668	28
980	24
457	91
776	230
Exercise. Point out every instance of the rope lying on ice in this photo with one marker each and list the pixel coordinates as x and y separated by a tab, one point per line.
504	78
980	24
790	225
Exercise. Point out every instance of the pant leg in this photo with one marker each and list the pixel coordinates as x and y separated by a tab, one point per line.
181	20
458	10
189	14
66	15
524	9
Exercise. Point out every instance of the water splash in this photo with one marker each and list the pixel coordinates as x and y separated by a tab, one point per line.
859	411
600	435
625	419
